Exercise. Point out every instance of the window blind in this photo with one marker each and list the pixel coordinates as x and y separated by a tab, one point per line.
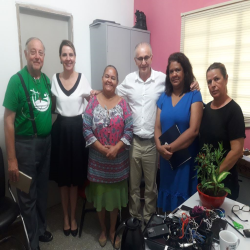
220	33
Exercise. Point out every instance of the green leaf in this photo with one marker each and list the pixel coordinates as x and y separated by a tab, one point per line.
203	182
209	182
214	178
227	190
221	185
222	176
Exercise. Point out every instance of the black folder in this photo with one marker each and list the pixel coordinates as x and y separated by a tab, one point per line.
178	157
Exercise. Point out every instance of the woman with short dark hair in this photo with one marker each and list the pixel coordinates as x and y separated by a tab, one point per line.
182	107
223	121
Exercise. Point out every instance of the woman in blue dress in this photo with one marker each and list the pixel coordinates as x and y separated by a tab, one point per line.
182	107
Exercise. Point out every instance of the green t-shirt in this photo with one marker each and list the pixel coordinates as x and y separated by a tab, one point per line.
15	100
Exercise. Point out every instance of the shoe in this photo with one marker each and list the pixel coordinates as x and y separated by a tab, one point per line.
66	232
74	232
117	242
102	242
46	237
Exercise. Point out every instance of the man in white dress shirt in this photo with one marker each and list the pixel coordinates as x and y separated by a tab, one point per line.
142	89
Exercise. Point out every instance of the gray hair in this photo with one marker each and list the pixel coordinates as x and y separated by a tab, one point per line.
33	38
142	44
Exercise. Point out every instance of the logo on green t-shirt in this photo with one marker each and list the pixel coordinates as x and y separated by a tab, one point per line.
40	102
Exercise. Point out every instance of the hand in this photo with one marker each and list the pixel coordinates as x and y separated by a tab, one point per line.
195	86
168	147
165	151
94	92
112	151
103	150
13	170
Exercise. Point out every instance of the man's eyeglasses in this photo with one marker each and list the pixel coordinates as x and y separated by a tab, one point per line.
237	208
145	58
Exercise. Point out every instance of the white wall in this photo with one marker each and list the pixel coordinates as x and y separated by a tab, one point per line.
83	11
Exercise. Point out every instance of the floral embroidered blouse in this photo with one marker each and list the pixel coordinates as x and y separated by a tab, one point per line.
108	127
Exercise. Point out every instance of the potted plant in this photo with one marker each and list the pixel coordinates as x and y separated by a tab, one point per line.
211	188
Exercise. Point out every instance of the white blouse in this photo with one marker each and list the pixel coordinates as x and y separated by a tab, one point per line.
70	102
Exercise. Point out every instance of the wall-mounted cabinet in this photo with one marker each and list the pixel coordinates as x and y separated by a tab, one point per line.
113	44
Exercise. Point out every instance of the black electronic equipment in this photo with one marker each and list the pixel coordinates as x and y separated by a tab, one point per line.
218	225
173	239
247	232
186	208
157	231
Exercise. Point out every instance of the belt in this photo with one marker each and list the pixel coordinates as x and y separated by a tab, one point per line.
143	139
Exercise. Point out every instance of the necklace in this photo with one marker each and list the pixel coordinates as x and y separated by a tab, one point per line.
38	84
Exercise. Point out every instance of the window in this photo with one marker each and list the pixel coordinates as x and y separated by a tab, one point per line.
220	33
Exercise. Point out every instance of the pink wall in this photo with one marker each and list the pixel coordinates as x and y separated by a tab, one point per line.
164	22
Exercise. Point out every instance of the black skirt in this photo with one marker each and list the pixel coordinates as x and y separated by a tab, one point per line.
69	158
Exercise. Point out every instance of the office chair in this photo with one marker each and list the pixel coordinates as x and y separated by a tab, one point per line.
9	209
